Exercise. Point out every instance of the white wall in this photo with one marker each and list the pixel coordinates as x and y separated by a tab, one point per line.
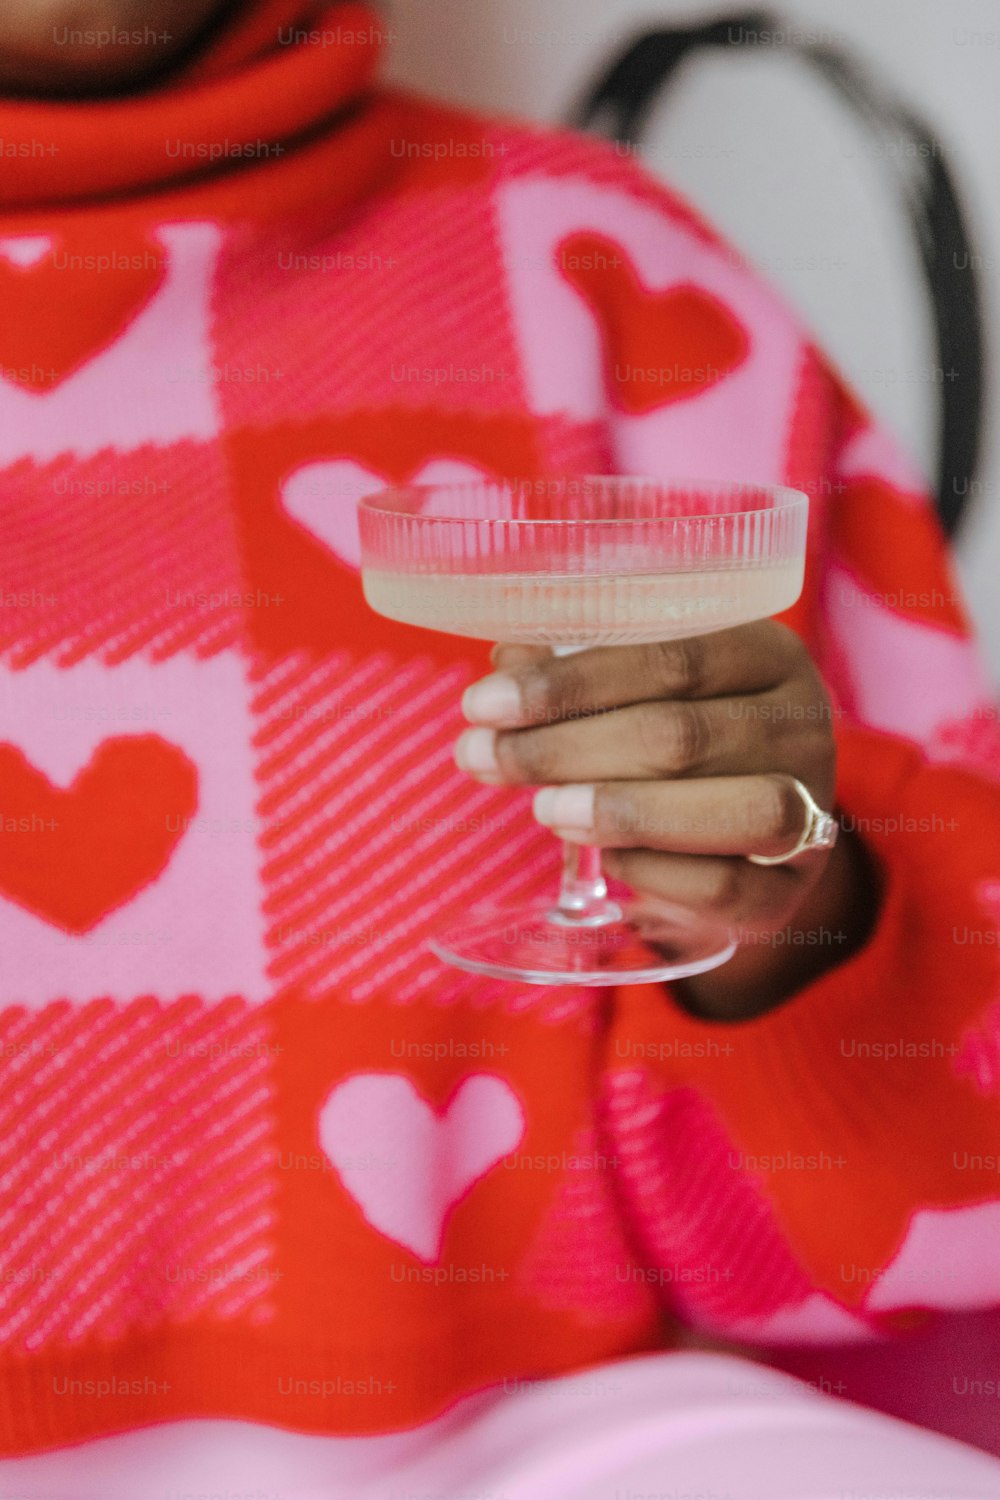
774	161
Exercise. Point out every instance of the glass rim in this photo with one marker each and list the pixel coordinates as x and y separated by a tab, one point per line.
793	499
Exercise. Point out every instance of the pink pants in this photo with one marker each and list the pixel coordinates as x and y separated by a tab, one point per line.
664	1427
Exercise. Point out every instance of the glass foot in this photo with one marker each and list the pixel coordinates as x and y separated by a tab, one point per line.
538	945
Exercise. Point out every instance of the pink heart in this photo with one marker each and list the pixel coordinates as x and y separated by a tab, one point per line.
408	1166
323	496
948	1260
25	249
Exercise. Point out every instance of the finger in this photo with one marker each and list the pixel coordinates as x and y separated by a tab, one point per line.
748	659
506	655
698	737
729	892
722	815
645	740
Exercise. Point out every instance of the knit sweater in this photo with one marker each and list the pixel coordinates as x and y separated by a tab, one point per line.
262	1155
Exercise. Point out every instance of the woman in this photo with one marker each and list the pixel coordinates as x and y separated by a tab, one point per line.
266	1161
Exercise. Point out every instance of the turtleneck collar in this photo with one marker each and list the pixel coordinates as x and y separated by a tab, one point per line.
278	73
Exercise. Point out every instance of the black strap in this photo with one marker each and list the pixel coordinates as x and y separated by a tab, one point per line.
620	103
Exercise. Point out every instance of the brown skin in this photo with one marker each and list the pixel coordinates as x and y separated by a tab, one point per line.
38	59
691	747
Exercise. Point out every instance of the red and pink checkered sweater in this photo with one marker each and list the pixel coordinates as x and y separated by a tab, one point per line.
261	1155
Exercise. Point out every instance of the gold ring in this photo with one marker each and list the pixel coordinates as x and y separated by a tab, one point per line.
819	832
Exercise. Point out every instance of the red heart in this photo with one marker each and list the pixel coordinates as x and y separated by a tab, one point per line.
659	346
73	302
319	602
72	856
897	551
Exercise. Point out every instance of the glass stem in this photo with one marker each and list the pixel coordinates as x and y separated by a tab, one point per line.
583	894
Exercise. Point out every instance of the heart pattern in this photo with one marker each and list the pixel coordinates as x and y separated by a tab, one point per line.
115	355
407	1165
73	299
660	346
948	1260
72	855
322	496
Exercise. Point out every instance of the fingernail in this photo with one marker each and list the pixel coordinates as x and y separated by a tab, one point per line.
565	806
476	751
493	700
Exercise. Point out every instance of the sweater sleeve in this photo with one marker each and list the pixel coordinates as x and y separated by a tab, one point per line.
821	1172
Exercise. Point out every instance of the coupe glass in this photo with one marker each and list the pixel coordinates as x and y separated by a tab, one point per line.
572	563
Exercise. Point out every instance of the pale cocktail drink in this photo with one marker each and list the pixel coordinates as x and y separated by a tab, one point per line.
589	609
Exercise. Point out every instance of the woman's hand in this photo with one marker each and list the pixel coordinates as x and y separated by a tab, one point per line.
678	759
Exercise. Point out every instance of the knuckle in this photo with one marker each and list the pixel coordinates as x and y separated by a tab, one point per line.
527	756
679	666
615	813
652	735
769	898
692	735
725	892
673	737
536	693
772	730
786	645
554	689
692	664
634	868
781	809
819	751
